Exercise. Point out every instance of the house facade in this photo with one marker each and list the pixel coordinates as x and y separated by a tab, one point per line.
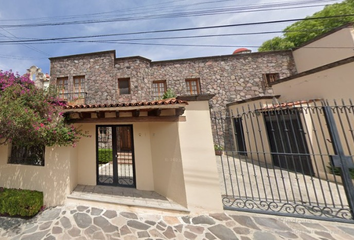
294	126
102	78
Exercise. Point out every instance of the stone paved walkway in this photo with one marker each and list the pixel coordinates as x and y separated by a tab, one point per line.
84	222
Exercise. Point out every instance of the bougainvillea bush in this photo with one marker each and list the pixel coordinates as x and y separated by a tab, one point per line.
30	116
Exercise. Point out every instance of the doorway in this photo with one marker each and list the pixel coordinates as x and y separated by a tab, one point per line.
115	155
288	141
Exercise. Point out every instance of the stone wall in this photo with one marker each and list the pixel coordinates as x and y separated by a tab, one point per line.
230	78
100	83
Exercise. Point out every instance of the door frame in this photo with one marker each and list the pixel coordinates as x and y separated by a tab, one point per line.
115	162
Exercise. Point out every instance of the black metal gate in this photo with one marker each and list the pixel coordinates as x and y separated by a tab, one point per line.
289	159
115	155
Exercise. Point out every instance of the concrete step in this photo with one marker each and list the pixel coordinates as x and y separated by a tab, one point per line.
130	199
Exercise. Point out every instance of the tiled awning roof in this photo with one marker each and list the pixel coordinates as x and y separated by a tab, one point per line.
158	103
152	111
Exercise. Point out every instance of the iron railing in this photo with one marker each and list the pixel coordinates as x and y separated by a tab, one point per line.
73	96
289	159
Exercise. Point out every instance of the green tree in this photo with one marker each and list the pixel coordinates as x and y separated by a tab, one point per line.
30	116
303	31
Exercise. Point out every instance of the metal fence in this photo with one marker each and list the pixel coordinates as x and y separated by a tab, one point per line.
289	159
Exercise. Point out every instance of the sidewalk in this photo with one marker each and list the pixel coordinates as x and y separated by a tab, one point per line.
84	222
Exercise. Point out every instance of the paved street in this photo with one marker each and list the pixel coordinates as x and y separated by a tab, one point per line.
84	222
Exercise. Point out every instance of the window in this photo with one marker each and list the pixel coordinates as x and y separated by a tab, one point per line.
27	155
192	86
79	87
62	86
240	137
158	88
269	78
124	86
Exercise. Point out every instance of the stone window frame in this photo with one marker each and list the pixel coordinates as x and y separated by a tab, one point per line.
158	84
120	88
269	78
189	88
32	156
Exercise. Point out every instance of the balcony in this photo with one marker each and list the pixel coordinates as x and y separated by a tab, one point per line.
73	98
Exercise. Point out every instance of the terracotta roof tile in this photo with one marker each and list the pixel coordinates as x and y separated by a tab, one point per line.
169	101
290	104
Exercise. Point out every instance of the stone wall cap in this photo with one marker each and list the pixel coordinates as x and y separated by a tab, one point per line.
84	54
173	60
133	57
222	56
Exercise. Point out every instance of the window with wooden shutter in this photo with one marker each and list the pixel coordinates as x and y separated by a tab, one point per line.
62	87
158	89
192	86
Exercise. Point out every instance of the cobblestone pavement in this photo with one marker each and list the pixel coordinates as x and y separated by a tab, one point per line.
84	222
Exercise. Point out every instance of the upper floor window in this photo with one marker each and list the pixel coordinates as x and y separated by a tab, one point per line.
192	86
79	87
269	78
158	88
62	86
124	86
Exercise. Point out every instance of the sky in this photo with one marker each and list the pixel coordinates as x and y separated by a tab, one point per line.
133	23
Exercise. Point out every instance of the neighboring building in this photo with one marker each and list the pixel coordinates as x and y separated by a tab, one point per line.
40	79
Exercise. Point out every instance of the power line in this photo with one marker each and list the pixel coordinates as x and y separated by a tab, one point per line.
175	30
169	38
212	11
30	47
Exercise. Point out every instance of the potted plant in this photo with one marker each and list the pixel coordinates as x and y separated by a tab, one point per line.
218	149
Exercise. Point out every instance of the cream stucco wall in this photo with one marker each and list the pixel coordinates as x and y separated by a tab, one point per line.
256	141
332	48
334	83
198	159
56	179
86	156
167	162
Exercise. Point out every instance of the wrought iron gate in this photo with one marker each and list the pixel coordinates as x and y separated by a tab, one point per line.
115	155
289	159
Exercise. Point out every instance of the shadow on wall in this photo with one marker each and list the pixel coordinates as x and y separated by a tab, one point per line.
53	179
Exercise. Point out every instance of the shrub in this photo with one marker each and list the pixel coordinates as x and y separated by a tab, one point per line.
105	155
168	94
17	202
32	117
